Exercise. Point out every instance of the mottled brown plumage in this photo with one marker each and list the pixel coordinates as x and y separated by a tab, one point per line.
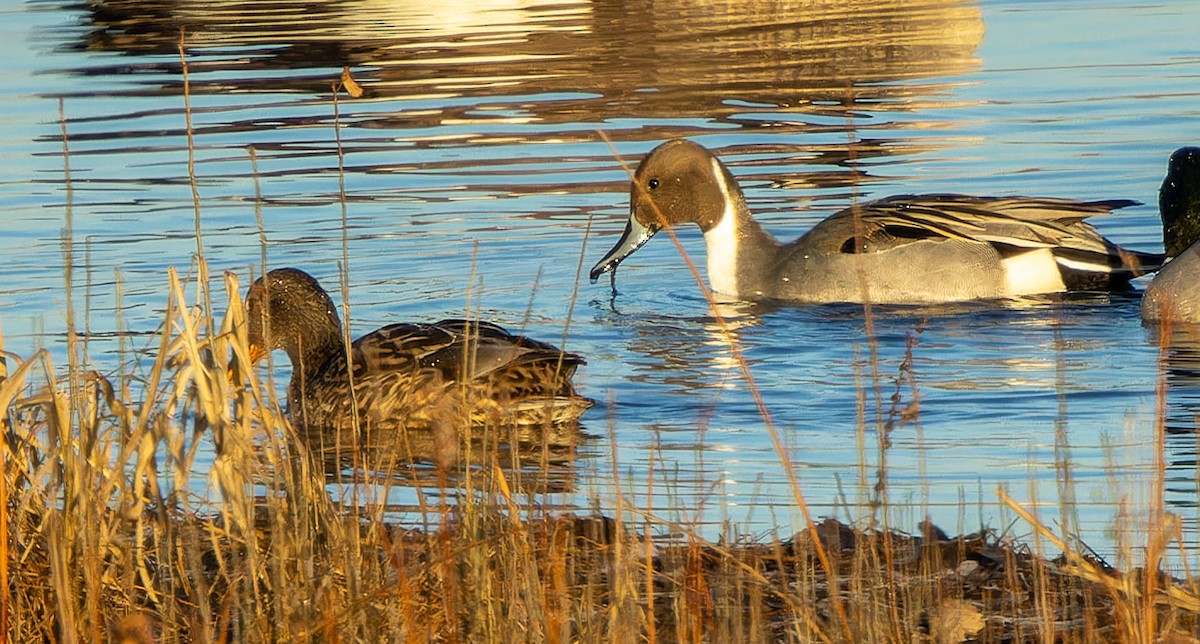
416	387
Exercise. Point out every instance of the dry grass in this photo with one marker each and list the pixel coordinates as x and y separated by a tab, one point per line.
176	506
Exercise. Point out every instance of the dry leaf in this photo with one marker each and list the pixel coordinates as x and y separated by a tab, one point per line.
350	85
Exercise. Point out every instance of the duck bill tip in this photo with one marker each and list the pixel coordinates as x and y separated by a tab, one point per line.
636	234
256	355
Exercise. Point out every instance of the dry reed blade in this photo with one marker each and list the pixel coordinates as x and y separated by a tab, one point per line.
191	346
191	141
5	590
1092	572
344	277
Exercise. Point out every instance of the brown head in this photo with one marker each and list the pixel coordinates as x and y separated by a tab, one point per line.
287	309
678	182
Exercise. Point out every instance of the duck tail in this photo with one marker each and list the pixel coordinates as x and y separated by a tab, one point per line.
1112	271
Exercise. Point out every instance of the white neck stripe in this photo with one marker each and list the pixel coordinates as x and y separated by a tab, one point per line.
722	242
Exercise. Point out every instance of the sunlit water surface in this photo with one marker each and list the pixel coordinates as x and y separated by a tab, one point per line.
476	151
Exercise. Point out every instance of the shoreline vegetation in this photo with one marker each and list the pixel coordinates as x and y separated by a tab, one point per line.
109	538
170	502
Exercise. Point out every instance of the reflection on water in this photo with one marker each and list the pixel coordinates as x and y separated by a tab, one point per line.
1025	404
538	462
1182	373
640	57
472	169
1181	420
690	354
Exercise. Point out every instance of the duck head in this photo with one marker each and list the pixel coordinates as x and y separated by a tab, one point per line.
1179	201
287	309
678	182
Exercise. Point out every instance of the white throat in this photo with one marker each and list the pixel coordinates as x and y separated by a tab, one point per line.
722	243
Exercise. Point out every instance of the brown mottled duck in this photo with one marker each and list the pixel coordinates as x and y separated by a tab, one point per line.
428	384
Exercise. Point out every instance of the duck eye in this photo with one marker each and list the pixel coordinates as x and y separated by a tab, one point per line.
653	183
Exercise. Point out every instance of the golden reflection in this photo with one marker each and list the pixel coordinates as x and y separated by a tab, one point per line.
723	337
484	20
638	58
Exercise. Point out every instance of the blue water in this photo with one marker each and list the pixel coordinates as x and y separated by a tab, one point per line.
476	152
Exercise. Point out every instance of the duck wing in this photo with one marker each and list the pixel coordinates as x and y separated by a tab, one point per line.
1011	225
403	357
481	350
399	348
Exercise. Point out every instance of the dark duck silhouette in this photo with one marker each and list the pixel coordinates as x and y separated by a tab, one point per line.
1174	295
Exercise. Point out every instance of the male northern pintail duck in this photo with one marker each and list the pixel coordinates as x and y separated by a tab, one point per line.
1174	293
441	378
901	249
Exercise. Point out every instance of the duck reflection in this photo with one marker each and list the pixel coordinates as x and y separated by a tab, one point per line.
631	57
1181	371
691	355
697	354
541	462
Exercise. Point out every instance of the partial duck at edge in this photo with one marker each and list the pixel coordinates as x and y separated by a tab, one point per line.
905	249
1174	294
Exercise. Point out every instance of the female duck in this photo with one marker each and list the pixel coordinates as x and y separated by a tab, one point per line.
902	249
440	378
1175	292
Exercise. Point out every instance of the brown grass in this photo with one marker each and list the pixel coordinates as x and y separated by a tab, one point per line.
108	532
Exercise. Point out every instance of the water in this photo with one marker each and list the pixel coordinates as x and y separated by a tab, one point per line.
476	152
